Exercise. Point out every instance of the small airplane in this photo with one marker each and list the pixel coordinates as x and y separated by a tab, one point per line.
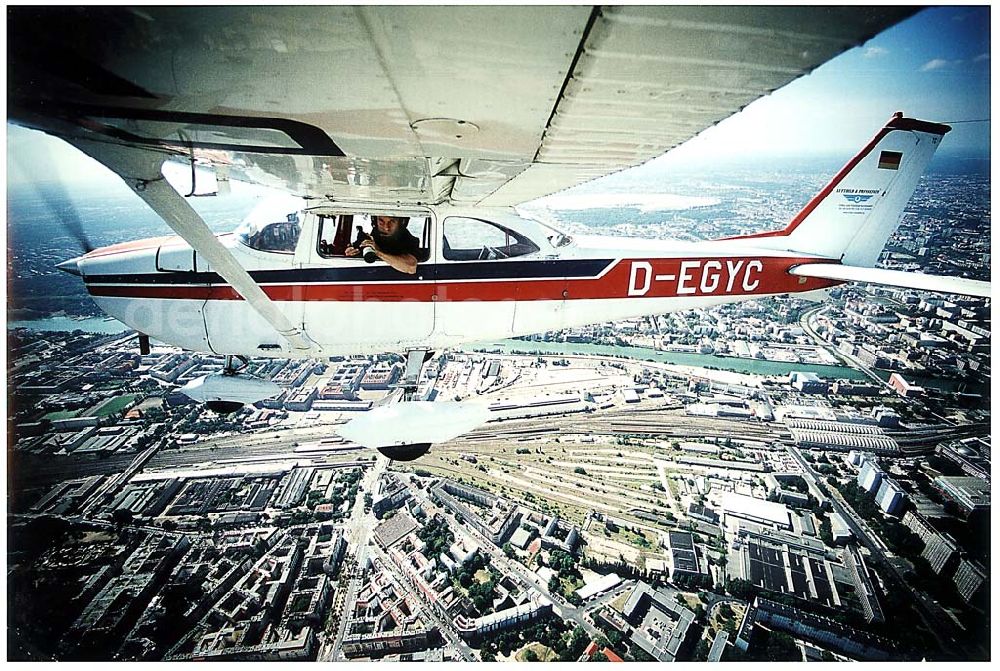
290	282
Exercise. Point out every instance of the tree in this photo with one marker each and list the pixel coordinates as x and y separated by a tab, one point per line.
122	517
575	646
530	655
702	650
781	648
482	595
741	589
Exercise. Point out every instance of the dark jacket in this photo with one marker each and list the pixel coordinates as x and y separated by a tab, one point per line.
403	242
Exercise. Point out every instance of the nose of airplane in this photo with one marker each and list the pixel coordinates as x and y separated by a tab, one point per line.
71	266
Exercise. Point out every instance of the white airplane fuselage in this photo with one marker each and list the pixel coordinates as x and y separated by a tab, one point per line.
345	306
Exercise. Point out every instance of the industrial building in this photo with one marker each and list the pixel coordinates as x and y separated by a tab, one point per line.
904	388
659	625
685	557
786	564
864	587
971	494
807	382
599	586
740	506
394	529
843	437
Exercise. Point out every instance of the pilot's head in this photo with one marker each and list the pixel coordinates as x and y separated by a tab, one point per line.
389	226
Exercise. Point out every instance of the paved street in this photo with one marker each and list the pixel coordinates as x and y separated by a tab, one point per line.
357	533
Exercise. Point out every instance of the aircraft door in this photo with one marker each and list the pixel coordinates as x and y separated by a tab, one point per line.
268	249
476	281
350	305
541	298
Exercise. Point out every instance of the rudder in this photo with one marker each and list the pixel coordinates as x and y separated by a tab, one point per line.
852	217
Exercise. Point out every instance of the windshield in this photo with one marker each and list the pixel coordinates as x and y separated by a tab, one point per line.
551	232
273	226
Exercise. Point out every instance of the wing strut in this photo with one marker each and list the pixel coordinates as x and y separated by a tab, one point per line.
141	171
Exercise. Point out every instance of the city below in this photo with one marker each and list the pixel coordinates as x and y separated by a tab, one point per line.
775	480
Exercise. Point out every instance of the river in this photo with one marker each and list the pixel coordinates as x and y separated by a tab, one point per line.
735	364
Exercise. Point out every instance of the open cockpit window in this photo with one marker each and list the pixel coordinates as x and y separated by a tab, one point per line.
338	232
467	239
272	227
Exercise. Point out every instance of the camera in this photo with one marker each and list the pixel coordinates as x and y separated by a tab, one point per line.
369	255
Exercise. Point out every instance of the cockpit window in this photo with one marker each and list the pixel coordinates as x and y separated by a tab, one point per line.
272	228
337	232
467	239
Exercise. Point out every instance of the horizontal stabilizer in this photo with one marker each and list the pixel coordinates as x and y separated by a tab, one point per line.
894	278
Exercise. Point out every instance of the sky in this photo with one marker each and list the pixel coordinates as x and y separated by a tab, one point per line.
933	66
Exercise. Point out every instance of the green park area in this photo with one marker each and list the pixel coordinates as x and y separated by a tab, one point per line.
114	405
60	414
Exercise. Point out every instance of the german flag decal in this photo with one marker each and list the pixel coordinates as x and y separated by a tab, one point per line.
889	160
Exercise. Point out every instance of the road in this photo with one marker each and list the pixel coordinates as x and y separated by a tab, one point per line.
933	616
807	320
357	532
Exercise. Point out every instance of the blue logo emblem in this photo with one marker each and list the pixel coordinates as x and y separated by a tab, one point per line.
857	197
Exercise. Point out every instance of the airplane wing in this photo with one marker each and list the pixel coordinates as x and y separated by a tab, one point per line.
411	104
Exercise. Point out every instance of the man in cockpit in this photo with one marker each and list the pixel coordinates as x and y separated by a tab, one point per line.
391	243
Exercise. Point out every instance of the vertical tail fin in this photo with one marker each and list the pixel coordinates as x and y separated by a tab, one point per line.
853	216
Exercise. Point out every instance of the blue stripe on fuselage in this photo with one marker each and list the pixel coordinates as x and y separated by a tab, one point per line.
474	270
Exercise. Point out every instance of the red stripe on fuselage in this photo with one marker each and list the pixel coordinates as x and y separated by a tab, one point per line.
134	246
629	278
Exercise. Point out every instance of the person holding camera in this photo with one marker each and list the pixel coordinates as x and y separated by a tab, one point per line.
390	242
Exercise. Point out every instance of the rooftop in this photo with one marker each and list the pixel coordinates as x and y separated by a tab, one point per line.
748	506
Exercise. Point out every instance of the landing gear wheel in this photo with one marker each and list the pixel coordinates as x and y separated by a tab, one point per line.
405	452
224	407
